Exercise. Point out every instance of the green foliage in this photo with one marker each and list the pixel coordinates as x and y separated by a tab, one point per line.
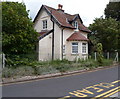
7	72
17	29
24	71
107	32
20	60
19	71
42	68
113	10
99	53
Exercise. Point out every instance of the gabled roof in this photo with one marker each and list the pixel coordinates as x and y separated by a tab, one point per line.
44	33
63	19
77	36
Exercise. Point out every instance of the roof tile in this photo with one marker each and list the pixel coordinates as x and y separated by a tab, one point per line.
77	36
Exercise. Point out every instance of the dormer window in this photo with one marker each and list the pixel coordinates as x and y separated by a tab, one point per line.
44	24
75	24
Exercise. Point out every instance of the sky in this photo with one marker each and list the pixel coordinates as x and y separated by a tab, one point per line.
87	9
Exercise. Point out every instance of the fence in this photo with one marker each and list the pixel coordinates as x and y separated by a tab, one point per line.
107	55
2	59
18	59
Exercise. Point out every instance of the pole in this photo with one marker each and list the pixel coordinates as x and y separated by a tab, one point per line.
95	56
108	56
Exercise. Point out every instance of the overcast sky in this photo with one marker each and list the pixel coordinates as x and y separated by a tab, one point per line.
87	9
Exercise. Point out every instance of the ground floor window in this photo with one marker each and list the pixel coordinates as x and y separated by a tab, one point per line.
63	49
84	48
75	48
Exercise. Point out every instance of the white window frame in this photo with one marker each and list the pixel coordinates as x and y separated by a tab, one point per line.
44	23
75	24
84	48
63	49
74	47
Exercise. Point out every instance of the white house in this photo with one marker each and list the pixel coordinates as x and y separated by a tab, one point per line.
62	35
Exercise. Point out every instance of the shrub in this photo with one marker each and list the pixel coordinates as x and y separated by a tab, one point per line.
8	72
44	69
24	71
99	53
62	67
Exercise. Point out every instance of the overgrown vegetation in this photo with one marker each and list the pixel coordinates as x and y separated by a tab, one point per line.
18	34
48	67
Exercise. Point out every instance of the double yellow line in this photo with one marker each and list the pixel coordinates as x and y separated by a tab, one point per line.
108	93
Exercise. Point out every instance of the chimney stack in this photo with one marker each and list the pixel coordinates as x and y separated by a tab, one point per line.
60	7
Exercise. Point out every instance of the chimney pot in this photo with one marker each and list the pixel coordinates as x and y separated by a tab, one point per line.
60	6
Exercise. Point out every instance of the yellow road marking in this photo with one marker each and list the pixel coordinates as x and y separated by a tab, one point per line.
112	93
106	92
64	97
115	81
86	91
78	94
95	88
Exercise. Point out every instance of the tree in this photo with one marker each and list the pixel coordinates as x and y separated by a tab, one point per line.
113	10
18	35
105	31
99	53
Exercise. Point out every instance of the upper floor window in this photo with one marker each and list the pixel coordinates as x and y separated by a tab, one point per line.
75	48
75	24
84	48
44	24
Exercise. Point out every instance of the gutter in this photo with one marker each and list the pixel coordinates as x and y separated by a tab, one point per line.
62	42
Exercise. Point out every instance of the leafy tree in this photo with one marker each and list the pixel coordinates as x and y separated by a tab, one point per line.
113	10
99	53
105	31
19	37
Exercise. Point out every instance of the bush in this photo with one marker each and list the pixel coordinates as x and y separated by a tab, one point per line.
19	71
107	62
8	72
62	67
24	71
44	69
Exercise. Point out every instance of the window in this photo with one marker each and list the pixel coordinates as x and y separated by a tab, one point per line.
74	48
75	24
84	49
63	49
44	24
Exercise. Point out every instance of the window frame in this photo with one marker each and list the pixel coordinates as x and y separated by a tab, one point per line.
75	24
75	48
84	48
44	24
63	49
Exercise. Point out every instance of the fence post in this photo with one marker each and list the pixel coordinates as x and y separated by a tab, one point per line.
95	56
3	60
117	56
108	55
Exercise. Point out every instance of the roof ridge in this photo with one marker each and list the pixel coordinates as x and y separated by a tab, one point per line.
50	7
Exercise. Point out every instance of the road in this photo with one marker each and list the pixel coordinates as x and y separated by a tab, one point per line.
96	83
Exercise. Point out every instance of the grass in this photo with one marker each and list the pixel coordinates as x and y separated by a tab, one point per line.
49	67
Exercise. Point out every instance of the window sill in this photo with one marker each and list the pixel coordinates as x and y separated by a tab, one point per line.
75	54
84	54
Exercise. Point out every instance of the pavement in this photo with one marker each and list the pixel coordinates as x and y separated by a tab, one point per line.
116	95
95	83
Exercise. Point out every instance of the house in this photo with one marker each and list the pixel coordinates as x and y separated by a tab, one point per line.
62	35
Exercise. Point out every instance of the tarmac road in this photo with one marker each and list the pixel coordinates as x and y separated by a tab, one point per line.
90	84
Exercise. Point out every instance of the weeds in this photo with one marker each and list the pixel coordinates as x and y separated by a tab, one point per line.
28	68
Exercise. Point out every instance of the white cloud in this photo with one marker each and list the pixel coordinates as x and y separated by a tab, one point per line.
88	9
